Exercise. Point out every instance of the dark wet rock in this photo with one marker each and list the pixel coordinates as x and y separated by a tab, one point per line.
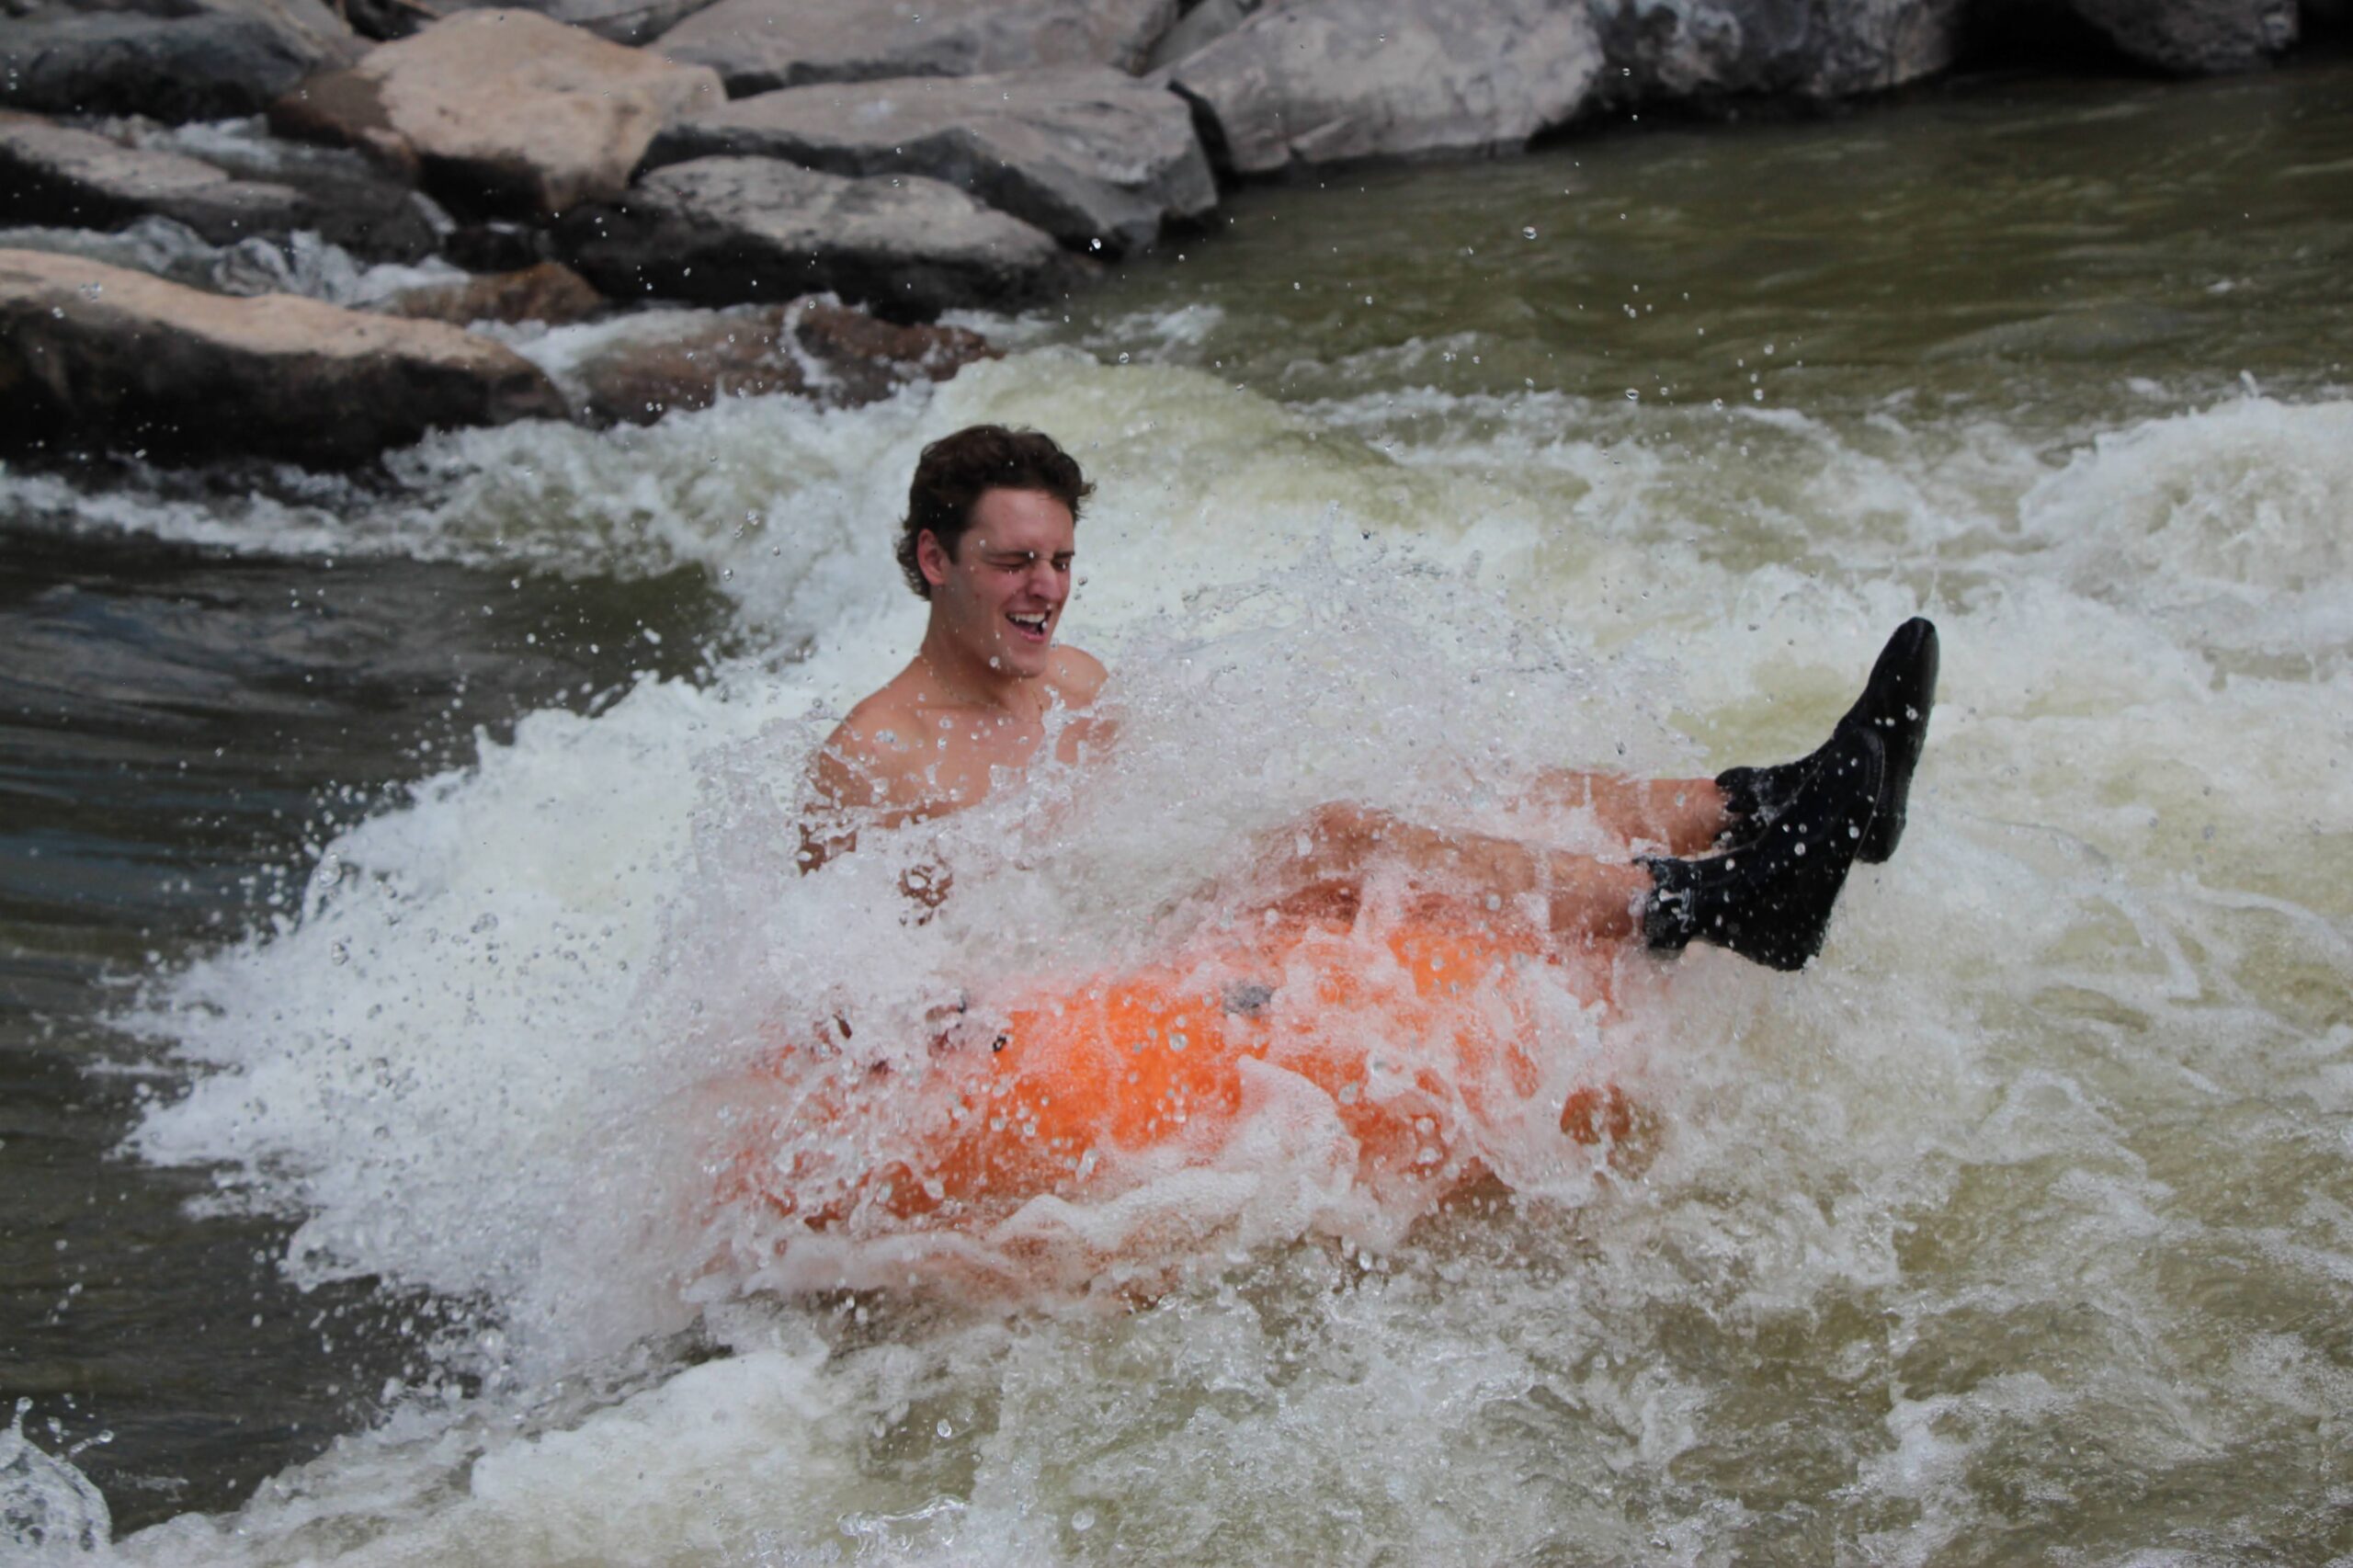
666	360
549	292
761	45
58	176
623	21
1331	81
1084	154
1678	51
737	230
94	354
495	246
2194	38
172	68
501	111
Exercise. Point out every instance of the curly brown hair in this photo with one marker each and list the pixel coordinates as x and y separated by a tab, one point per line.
956	469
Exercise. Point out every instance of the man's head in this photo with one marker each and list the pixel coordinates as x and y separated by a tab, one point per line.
957	469
988	539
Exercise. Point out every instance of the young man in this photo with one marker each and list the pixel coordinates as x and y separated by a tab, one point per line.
1756	856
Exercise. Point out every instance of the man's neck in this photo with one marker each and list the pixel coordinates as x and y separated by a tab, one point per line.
959	677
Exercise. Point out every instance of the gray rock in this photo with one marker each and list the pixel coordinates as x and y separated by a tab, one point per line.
737	231
92	354
1680	50
1085	154
761	45
623	21
1197	28
635	371
2195	37
501	110
58	176
1329	81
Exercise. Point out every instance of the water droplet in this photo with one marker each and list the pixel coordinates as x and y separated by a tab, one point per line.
945	1427
1529	232
1633	396
1082	1521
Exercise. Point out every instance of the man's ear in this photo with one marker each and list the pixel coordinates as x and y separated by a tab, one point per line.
931	558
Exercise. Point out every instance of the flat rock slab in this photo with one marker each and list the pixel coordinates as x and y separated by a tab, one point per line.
502	111
57	175
748	230
1677	51
761	45
663	362
91	354
1332	81
1085	154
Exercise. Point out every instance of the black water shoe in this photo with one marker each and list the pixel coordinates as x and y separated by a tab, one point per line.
1770	901
1894	706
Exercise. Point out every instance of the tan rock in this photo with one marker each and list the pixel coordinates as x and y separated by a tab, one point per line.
69	178
503	110
549	292
666	360
92	355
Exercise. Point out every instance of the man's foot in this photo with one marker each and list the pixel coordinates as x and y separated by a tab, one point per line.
1770	901
1894	706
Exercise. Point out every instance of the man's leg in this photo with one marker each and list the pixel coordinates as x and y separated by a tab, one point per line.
1585	901
1688	815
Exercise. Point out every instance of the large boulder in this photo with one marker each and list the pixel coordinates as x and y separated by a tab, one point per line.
1090	155
58	176
761	45
1679	51
91	354
737	230
2195	37
1330	81
502	111
651	364
199	64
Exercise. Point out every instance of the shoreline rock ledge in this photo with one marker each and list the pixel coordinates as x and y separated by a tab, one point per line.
97	354
758	231
1091	156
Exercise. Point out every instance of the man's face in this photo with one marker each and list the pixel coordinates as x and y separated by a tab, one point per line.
1001	595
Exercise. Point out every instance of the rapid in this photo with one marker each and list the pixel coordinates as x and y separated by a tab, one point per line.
407	867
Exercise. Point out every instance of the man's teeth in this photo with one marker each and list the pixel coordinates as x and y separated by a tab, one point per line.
1034	622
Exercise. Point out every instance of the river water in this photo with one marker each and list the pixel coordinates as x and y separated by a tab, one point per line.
387	867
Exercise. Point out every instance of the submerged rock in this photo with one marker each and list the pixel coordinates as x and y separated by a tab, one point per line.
549	292
2195	37
502	109
1328	81
96	354
761	45
641	368
56	174
1680	50
1085	154
737	231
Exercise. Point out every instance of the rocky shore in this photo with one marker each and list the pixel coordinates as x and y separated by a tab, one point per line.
782	195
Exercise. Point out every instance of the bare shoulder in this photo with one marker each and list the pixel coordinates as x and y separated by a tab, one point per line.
867	752
1076	676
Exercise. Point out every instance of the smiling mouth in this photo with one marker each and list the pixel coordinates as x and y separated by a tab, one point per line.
1031	625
